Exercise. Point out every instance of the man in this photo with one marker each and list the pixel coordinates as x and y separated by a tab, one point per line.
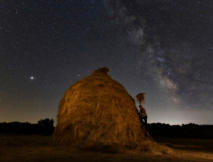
142	112
142	115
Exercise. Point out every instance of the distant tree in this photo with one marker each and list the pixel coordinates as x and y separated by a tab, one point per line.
46	122
46	126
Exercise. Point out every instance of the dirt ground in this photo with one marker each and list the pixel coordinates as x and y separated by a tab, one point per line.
40	149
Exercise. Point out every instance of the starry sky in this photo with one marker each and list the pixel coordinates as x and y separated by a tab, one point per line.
161	47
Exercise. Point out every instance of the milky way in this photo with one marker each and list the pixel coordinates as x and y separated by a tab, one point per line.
176	36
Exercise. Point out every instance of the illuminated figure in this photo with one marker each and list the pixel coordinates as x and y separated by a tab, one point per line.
142	112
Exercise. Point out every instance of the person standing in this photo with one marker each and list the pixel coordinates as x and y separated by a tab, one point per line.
142	112
143	115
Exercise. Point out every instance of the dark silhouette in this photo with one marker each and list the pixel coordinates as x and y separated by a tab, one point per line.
142	112
156	130
43	127
142	115
180	131
46	126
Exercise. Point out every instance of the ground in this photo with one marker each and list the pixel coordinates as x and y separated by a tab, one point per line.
40	148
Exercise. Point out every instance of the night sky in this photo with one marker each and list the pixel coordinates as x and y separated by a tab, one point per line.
161	47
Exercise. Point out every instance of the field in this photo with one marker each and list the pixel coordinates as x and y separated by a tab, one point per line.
39	148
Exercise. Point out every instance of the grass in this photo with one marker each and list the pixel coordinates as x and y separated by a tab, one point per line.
202	145
40	148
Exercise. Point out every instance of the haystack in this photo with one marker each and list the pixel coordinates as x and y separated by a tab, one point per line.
98	111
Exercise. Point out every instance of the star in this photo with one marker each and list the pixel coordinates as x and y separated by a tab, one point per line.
32	78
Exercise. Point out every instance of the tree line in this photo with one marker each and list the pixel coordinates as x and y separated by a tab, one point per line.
46	127
42	127
190	130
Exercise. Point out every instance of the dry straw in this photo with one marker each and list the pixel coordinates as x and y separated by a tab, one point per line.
97	112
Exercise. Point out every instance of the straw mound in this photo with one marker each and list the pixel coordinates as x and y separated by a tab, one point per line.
97	112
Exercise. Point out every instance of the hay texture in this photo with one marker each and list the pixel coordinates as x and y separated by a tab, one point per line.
98	111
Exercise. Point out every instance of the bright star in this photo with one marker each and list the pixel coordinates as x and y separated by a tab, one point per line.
32	77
